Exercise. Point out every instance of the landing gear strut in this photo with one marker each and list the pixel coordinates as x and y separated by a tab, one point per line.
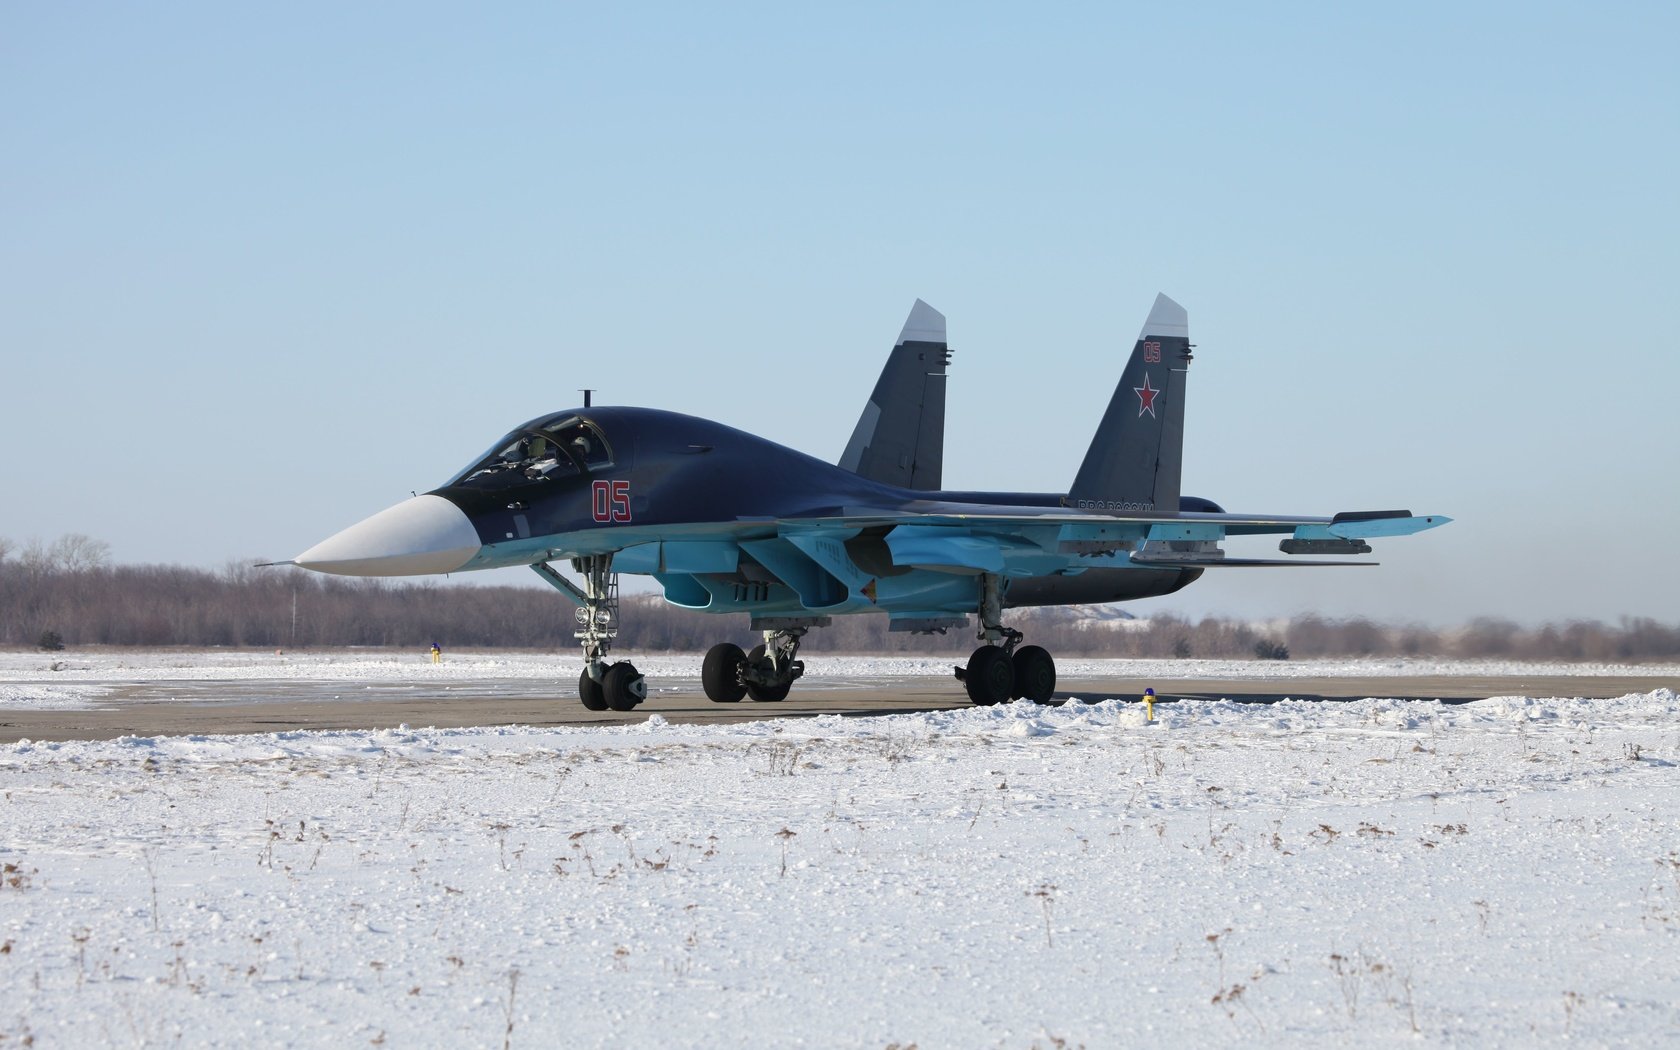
766	674
999	670
602	685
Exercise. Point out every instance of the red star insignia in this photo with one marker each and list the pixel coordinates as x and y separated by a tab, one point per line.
1146	396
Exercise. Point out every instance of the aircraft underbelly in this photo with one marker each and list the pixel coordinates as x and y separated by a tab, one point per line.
1096	586
914	592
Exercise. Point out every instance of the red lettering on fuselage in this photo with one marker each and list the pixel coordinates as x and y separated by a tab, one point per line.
610	501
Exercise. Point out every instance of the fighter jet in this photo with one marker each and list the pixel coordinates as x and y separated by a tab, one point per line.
727	522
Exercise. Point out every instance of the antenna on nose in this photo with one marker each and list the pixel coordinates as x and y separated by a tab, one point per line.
587	396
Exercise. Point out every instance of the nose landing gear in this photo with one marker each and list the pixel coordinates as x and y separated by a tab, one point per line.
602	686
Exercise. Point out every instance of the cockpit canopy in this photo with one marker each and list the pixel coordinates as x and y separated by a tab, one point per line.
543	450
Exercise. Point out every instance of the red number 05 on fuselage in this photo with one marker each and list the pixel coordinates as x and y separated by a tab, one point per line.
612	501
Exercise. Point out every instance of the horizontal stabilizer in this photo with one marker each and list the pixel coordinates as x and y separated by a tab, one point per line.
1367	526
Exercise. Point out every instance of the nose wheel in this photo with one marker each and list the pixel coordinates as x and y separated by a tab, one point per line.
590	692
623	687
603	686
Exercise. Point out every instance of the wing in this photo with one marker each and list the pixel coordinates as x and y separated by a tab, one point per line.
860	558
1036	541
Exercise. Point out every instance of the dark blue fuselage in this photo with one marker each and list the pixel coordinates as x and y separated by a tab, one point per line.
658	477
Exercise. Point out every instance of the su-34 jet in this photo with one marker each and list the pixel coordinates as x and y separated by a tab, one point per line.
727	522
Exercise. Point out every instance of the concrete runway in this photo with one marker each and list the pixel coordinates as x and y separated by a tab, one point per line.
174	708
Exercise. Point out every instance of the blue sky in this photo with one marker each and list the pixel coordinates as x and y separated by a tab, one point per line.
267	269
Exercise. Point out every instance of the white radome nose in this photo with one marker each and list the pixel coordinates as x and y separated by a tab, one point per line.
417	537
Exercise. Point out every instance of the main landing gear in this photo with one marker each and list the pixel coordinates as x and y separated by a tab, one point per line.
766	674
999	670
602	685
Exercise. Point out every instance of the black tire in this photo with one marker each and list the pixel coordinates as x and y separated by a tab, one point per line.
769	694
589	691
616	686
1035	674
991	676
721	673
765	694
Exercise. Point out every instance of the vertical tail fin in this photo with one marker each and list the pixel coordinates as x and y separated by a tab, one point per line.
900	438
1137	454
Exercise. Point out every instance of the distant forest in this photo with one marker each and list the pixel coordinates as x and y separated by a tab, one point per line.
67	594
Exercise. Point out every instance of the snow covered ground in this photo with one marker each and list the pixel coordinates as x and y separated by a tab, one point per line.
86	677
1505	872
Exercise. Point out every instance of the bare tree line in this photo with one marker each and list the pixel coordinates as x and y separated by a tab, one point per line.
65	591
72	553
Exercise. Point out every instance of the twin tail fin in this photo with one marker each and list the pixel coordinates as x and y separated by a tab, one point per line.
900	438
1136	458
